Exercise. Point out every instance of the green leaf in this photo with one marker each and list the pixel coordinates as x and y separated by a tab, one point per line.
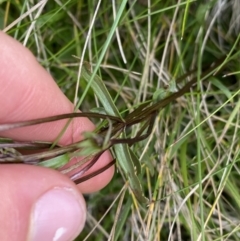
56	162
136	162
222	87
126	163
121	150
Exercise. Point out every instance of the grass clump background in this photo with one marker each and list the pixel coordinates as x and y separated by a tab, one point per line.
190	162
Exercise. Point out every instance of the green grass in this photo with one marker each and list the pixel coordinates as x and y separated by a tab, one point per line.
190	162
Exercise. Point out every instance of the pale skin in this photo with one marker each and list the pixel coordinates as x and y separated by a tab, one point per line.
27	91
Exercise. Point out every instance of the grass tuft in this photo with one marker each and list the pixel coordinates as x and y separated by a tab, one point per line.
191	160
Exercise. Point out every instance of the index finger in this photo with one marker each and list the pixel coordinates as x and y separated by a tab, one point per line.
29	92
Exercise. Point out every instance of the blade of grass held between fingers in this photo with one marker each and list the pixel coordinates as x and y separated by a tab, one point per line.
128	162
121	150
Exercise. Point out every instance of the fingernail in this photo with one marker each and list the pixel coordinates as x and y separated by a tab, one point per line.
58	215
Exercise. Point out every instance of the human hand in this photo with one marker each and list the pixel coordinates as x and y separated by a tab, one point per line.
38	203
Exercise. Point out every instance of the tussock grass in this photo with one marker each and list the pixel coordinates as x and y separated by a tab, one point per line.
190	162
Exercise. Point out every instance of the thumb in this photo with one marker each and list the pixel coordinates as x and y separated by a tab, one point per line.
39	204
